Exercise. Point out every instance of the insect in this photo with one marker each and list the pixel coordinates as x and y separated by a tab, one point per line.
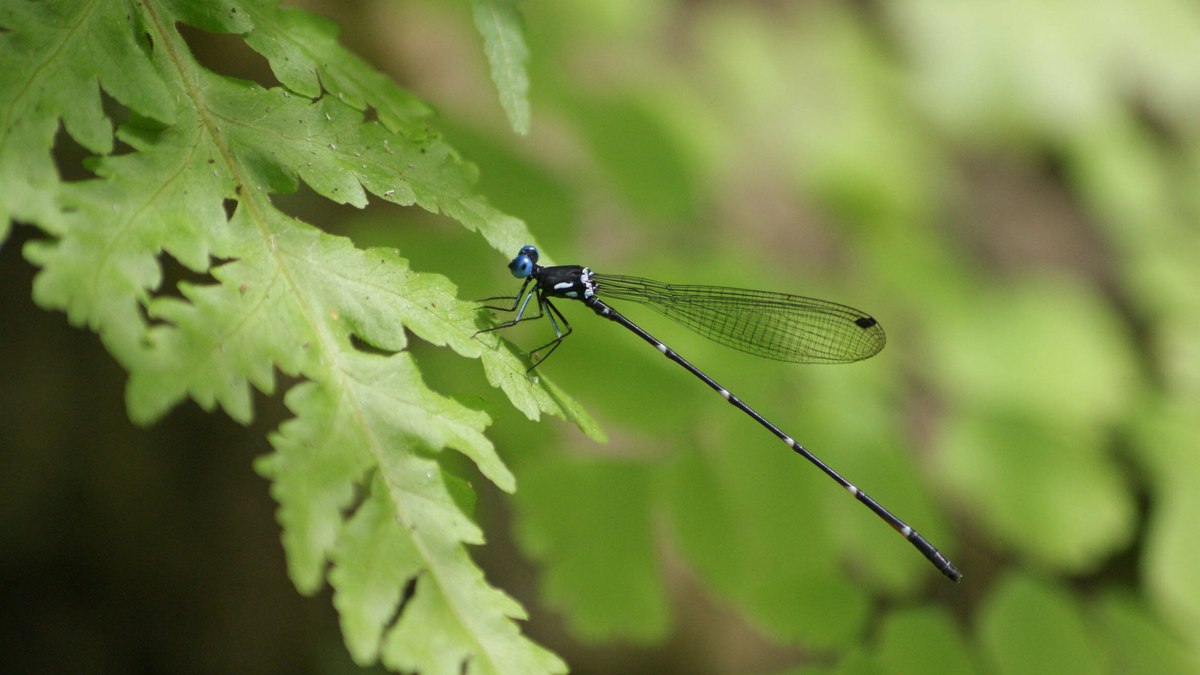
771	325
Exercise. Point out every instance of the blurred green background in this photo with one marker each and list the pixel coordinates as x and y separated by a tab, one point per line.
1010	188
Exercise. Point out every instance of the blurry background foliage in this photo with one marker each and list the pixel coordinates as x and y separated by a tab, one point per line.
1013	189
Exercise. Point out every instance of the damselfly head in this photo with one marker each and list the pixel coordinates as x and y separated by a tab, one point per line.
522	265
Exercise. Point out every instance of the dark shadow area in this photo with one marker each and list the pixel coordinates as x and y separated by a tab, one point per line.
135	550
368	348
305	205
228	55
174	273
71	158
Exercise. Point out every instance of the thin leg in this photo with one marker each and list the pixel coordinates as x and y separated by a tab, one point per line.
516	299
510	324
551	311
520	312
544	308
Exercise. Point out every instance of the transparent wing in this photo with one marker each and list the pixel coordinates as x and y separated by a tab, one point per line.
771	325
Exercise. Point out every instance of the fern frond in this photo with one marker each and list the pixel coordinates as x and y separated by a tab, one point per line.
202	155
504	43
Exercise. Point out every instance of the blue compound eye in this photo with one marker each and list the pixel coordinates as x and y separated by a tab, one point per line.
522	266
530	252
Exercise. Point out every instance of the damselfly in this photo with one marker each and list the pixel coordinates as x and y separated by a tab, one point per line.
771	325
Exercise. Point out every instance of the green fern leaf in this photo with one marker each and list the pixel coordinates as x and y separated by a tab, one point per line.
303	52
277	293
55	59
504	43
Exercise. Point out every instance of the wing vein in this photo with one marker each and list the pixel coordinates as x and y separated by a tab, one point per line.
771	325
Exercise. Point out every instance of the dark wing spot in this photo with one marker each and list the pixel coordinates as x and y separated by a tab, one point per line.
865	321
